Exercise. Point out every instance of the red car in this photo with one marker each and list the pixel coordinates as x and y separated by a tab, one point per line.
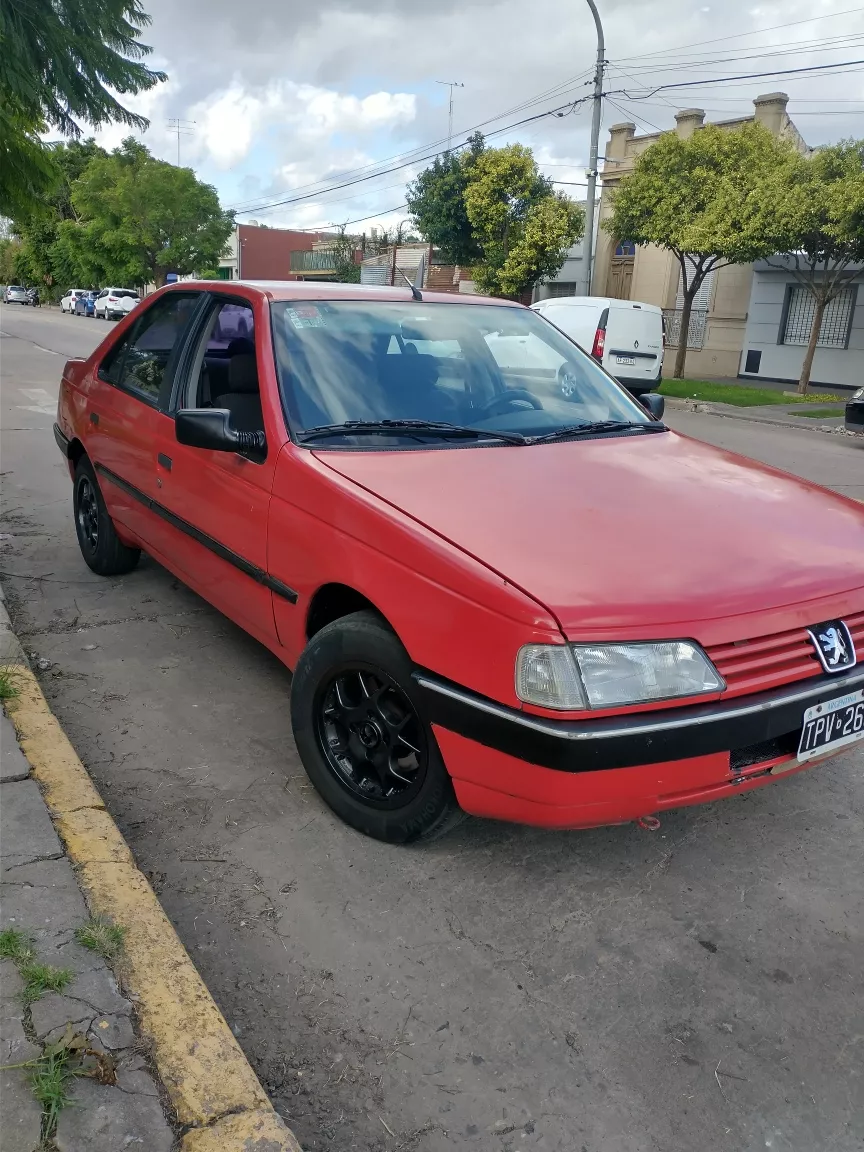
504	587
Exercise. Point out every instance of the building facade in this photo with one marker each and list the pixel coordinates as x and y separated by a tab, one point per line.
779	320
255	252
653	275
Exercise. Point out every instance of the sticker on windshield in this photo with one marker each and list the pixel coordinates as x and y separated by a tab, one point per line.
305	316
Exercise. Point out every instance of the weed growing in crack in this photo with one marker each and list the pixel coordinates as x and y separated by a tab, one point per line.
8	683
101	935
41	978
51	1081
16	946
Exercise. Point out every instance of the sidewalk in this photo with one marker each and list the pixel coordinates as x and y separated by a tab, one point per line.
109	1039
775	414
42	905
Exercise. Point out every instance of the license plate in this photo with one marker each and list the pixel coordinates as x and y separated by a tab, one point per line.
832	725
625	360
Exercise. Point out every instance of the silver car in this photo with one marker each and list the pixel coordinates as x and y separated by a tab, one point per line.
15	294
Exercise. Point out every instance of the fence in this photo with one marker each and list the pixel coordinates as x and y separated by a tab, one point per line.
698	325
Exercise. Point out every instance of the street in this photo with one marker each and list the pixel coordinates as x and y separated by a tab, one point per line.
503	988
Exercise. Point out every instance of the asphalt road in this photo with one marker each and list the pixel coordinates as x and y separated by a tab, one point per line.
698	987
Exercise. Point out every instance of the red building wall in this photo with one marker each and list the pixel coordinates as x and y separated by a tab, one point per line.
265	253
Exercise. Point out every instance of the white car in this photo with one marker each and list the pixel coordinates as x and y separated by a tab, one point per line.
115	303
626	337
67	300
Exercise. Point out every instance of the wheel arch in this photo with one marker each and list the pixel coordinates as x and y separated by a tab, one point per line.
333	601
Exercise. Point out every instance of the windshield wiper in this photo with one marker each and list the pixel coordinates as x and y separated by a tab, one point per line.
592	426
409	427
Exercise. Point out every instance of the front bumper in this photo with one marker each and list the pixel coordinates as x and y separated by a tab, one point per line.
576	746
855	417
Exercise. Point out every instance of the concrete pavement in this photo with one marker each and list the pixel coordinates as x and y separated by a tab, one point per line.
503	989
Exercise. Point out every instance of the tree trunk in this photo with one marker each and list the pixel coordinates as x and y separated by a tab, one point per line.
684	335
807	366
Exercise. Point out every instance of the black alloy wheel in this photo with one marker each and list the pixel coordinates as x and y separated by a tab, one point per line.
103	550
370	736
361	738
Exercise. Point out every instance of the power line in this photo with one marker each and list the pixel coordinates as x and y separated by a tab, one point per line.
844	64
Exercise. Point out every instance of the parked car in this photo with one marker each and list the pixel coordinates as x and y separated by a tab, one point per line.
115	303
495	599
855	412
626	337
86	303
16	294
67	300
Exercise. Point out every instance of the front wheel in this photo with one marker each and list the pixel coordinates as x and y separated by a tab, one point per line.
103	550
361	738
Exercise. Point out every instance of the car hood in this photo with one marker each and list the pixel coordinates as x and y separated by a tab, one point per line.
627	532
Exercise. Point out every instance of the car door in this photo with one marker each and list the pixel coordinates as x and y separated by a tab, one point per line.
219	501
126	402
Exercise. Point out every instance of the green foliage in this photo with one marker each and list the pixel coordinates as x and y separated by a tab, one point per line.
741	395
60	63
699	198
41	978
144	218
50	1080
436	201
343	247
103	936
490	209
8	679
814	207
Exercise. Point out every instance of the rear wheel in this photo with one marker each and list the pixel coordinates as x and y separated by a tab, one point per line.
361	738
103	550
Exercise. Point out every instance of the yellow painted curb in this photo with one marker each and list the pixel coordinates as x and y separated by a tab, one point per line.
209	1081
254	1132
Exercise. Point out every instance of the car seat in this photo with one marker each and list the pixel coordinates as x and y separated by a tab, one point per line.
243	398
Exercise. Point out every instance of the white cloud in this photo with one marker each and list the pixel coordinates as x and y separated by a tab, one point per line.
230	121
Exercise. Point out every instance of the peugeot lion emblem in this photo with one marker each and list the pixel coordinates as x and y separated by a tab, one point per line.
834	647
635	343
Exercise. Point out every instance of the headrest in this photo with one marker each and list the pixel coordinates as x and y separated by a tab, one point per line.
242	374
240	346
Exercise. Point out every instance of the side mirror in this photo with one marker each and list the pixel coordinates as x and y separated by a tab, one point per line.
211	428
655	404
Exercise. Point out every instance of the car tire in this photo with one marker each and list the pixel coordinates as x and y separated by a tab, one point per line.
103	550
361	650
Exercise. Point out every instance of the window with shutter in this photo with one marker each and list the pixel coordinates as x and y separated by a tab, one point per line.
800	310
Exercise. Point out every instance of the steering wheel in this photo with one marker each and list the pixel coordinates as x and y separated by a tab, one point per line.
498	404
568	381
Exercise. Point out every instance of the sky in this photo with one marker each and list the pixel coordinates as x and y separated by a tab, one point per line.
284	101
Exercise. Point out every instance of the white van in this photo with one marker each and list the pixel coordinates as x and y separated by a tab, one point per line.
624	336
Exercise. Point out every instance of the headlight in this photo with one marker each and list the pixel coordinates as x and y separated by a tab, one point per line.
859	395
577	676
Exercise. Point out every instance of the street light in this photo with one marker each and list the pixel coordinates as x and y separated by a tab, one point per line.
451	84
599	72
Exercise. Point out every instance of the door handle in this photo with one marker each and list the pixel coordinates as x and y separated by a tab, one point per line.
165	461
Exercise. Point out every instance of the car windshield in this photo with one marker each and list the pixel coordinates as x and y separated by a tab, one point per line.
481	368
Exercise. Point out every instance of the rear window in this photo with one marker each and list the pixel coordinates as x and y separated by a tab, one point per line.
125	294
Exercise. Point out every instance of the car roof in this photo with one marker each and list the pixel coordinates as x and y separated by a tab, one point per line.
594	302
279	290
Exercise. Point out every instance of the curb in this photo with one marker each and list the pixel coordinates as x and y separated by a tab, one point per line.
210	1083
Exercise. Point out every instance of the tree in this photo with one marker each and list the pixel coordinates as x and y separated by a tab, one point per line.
436	201
815	206
60	62
143	218
491	210
700	199
344	248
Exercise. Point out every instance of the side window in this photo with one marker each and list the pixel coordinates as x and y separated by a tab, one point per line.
224	371
139	363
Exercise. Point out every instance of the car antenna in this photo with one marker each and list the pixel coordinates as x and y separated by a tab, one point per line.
418	279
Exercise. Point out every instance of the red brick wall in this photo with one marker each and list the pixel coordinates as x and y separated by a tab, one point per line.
266	252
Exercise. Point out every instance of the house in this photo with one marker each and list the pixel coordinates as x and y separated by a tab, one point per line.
653	275
779	320
256	252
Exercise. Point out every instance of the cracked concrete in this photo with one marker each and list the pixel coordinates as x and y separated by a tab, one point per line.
41	897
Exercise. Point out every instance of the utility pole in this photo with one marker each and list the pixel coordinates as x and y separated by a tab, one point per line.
451	84
181	127
599	73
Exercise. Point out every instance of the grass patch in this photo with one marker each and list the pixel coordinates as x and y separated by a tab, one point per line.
819	413
741	395
16	946
41	978
102	936
8	686
50	1080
